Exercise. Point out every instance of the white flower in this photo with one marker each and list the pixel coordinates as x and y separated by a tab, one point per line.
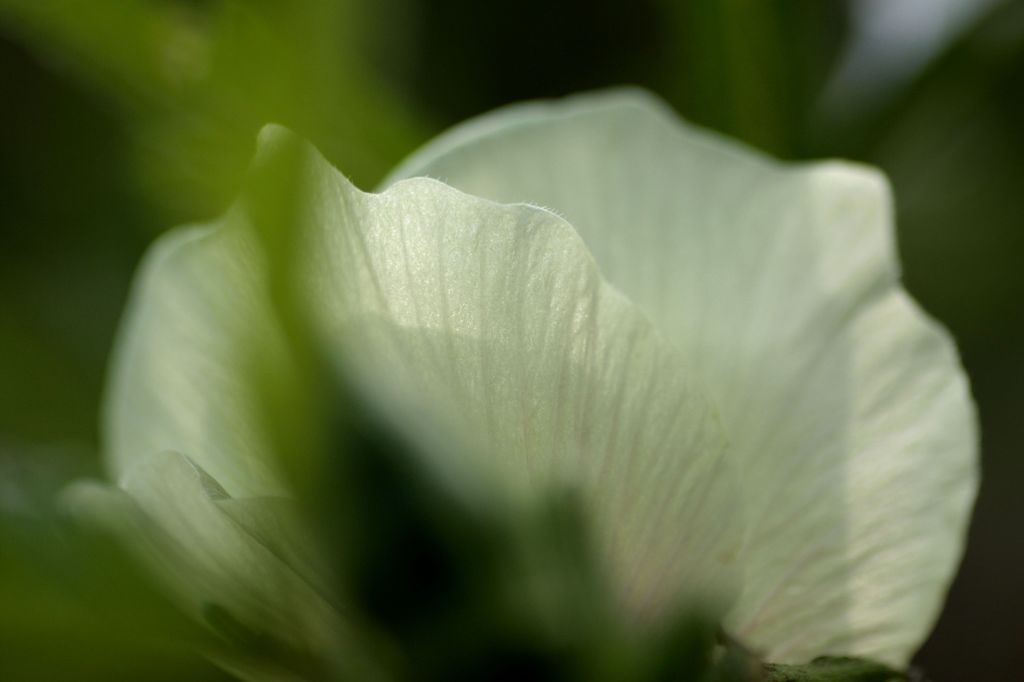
714	347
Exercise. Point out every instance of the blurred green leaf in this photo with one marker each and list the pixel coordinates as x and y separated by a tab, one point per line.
831	669
198	80
74	607
751	70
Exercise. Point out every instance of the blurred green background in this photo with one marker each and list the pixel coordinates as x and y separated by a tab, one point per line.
122	118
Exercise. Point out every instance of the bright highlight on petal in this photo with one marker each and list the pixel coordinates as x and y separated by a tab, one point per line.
850	418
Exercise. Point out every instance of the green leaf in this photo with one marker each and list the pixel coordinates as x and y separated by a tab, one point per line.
832	669
59	578
198	80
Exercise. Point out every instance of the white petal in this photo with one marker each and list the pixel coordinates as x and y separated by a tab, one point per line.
778	283
496	319
492	319
197	338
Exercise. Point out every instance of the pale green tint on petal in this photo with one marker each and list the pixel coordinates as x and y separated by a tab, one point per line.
198	344
184	372
848	412
491	320
495	321
226	559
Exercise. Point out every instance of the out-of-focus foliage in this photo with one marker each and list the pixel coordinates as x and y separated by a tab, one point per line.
122	118
826	669
74	605
197	80
456	590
